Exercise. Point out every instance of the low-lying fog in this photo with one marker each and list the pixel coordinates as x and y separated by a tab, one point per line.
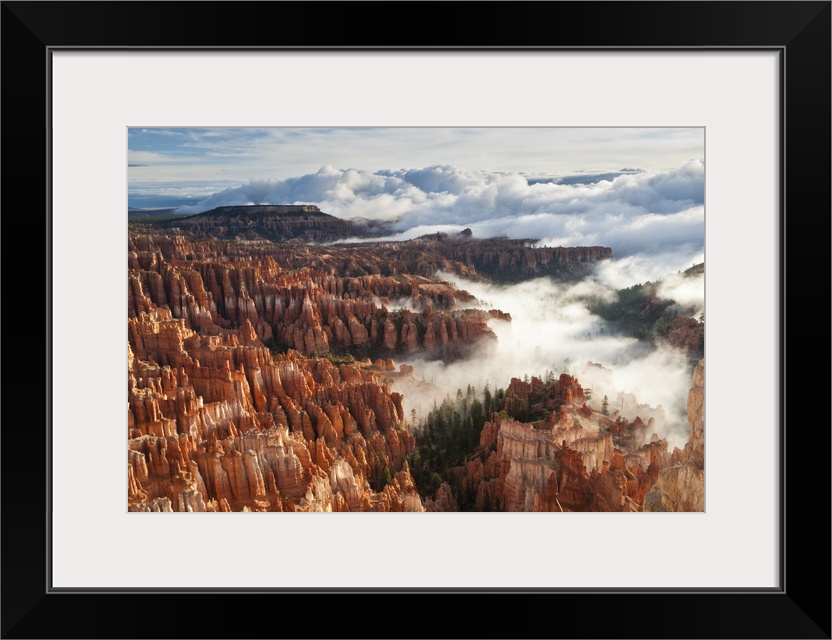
552	330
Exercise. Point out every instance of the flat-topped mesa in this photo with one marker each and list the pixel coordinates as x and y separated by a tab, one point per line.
272	208
505	259
277	223
296	210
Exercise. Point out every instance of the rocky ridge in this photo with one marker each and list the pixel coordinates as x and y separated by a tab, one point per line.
278	223
576	459
294	305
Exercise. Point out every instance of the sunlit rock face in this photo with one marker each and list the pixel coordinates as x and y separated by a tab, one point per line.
571	469
240	428
232	404
682	487
218	421
306	300
573	461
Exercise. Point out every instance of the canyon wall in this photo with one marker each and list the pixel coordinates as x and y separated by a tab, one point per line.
300	304
682	486
575	460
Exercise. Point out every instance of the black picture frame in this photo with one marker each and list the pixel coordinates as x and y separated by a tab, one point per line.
799	608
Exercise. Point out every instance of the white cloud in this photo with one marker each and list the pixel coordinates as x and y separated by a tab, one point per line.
639	268
650	212
686	291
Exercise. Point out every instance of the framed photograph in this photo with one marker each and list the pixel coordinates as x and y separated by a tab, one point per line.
697	132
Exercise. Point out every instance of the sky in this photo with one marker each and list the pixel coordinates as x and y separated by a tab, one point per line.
160	155
185	163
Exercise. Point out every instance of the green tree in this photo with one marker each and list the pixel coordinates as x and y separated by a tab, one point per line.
471	439
434	483
487	402
381	473
470	394
605	406
478	417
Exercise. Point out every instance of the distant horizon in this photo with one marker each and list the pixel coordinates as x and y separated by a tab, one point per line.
640	191
178	166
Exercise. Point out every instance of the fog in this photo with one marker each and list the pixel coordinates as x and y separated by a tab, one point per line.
552	330
688	292
638	269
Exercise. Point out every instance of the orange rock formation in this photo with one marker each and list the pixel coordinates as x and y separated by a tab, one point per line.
682	486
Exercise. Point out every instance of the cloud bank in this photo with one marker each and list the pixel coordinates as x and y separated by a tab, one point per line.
634	212
552	330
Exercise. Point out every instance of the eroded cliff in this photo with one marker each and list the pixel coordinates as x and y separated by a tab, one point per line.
573	459
259	380
682	486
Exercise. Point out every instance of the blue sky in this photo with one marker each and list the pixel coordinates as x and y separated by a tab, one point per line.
175	166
